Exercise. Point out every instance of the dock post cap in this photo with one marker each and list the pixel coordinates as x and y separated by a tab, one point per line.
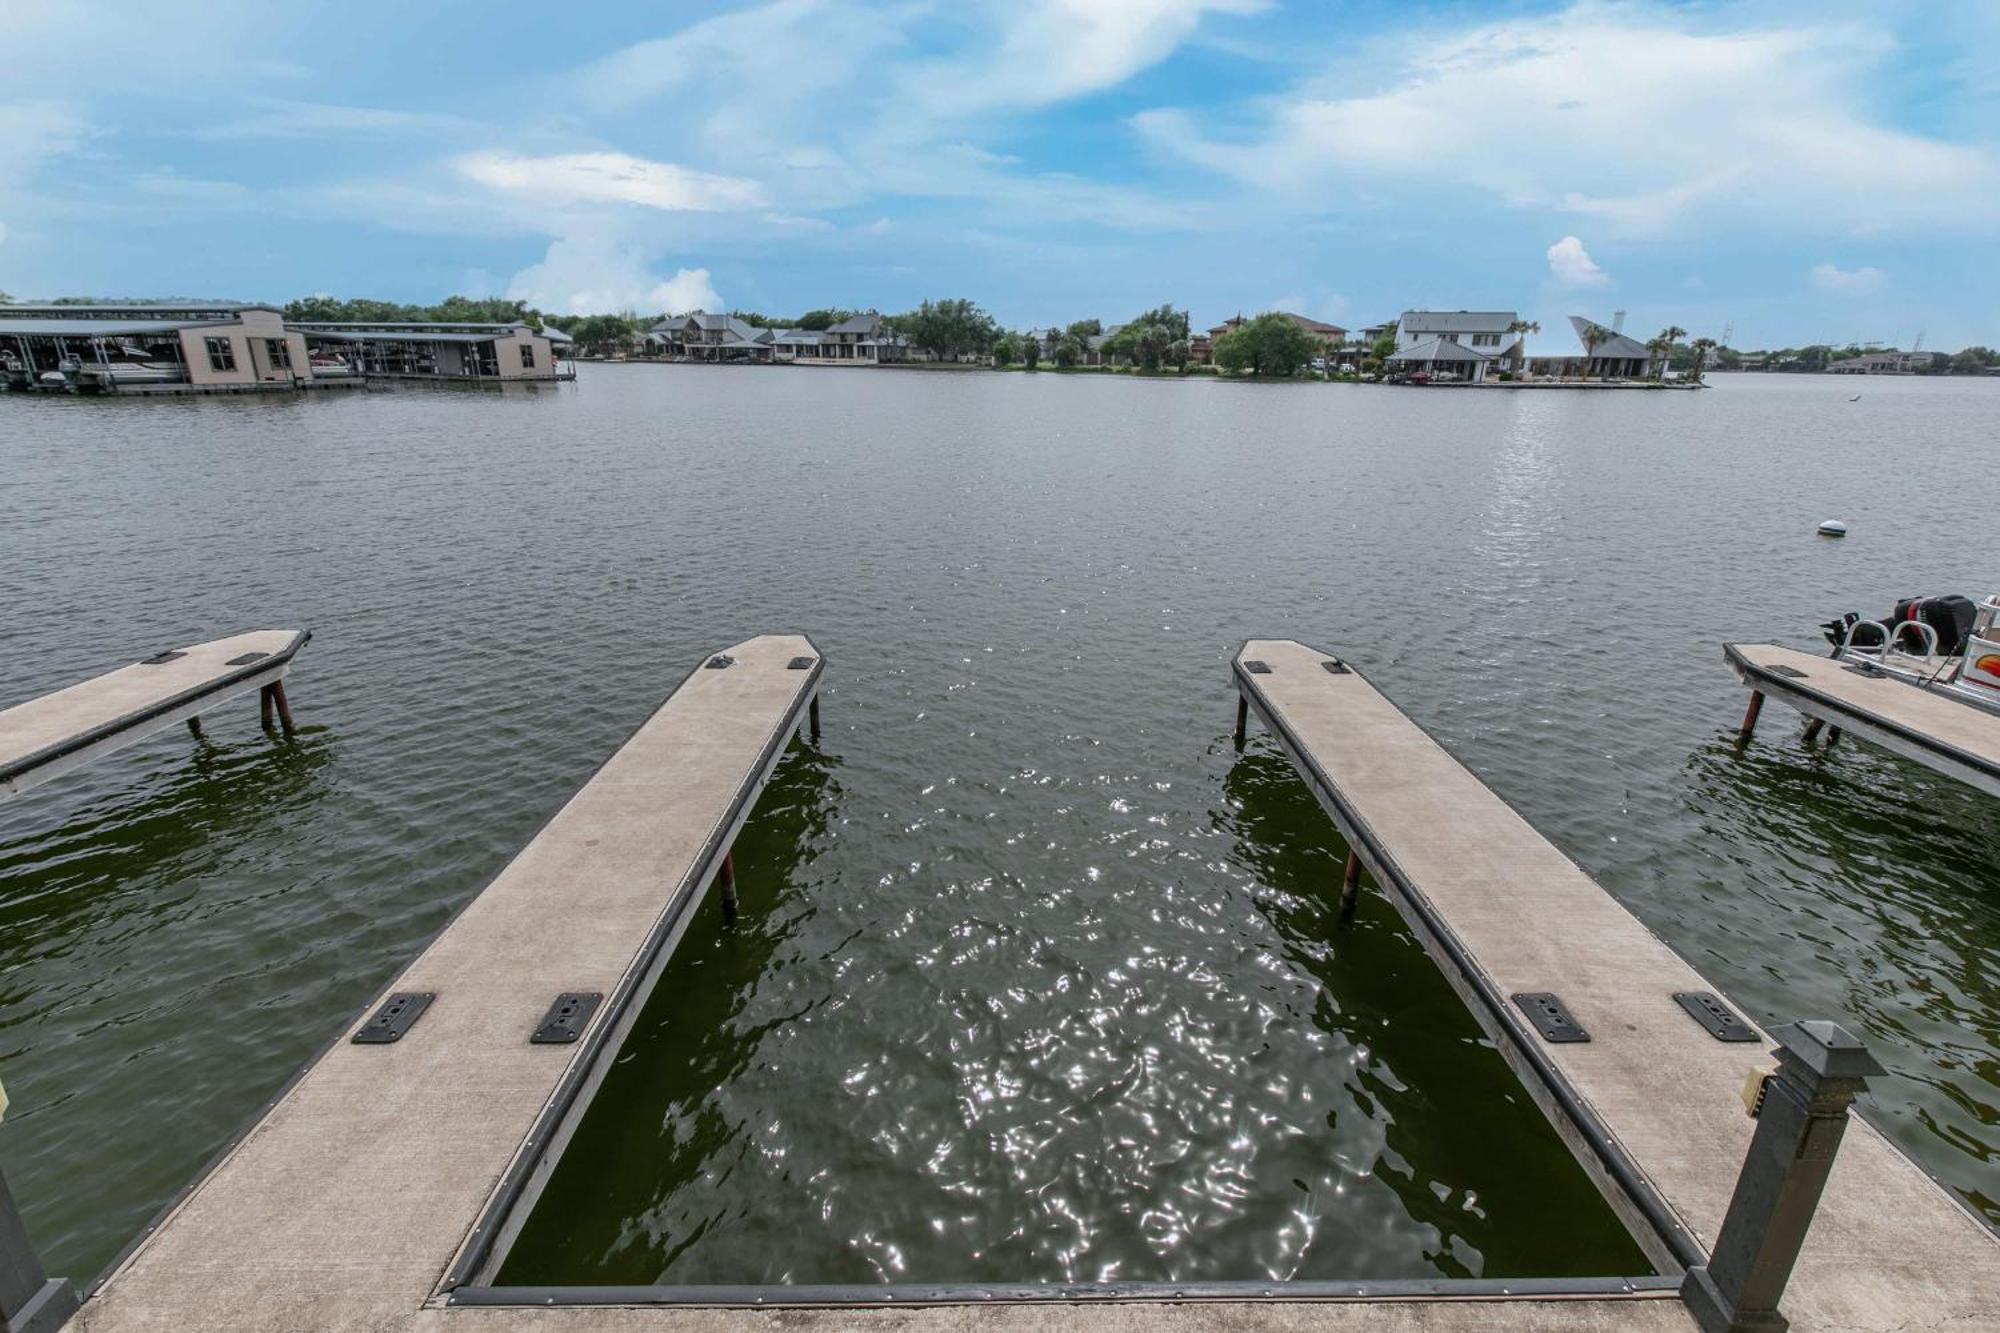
1801	1119
30	1300
1826	1050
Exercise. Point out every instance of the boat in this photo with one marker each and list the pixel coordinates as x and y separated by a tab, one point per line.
330	367
1949	645
112	374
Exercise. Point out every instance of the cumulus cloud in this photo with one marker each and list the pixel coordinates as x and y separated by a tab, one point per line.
610	178
582	275
1848	281
1571	265
1586	112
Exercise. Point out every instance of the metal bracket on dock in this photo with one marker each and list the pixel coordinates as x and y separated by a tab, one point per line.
398	1014
1721	1021
1257	668
246	659
1335	667
1550	1016
566	1018
800	664
1864	669
719	661
159	658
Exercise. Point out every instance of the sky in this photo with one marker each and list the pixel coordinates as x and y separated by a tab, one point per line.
1788	172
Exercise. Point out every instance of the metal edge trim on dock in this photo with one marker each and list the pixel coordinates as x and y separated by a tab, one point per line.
1762	679
868	1295
48	754
1617	1164
621	1006
360	1015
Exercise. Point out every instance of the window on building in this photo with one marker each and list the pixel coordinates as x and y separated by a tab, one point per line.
1451	337
281	353
221	354
1485	340
527	356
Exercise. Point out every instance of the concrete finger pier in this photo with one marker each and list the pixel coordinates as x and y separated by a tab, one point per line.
1651	1102
59	732
343	1207
1959	740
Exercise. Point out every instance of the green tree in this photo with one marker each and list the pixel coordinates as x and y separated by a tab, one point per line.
1071	350
1084	329
819	321
1006	349
1669	338
1270	345
946	328
1702	347
1594	336
1031	352
1973	361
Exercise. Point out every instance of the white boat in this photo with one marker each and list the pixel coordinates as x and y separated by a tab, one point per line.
1947	645
110	374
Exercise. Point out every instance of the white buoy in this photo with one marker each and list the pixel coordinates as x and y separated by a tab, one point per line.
1833	527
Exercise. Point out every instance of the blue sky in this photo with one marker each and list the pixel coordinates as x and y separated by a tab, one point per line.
1823	171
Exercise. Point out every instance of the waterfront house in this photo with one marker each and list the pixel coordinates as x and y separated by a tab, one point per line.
1615	355
1490	332
863	340
1331	336
700	336
1440	357
1886	362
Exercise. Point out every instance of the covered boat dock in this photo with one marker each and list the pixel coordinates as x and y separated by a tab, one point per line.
470	353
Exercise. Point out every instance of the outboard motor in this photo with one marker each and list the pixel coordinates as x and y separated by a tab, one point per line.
1949	617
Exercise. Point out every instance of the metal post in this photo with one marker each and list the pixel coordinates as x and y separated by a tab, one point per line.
1350	888
1242	717
813	713
727	879
30	1300
274	694
1750	715
264	707
1801	1116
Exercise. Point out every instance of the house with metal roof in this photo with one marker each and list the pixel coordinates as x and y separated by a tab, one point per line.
1440	357
1608	354
701	336
1488	331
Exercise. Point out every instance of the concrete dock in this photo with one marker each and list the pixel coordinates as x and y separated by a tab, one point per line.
345	1204
59	732
1651	1092
1957	739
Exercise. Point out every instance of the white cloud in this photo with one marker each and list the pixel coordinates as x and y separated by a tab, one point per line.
1571	265
879	227
279	119
1848	281
610	178
1053	50
1646	117
588	274
798	222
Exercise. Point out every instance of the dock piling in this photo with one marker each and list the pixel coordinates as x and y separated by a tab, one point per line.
30	1300
1801	1117
727	880
194	726
274	697
1750	715
812	713
1242	717
1813	726
1350	888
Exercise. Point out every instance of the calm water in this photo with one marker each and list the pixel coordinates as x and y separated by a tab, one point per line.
1037	978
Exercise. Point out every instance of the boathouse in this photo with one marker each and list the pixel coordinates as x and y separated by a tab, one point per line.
485	353
151	346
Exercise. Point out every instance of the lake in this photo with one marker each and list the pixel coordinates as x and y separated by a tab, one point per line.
1038	978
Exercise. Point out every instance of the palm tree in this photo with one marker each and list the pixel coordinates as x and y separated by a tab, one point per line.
1702	347
1670	335
1594	336
1523	327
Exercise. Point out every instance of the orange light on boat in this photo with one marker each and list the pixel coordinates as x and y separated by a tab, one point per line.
1990	664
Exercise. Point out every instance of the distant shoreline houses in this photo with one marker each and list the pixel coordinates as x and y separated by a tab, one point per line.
1471	345
859	340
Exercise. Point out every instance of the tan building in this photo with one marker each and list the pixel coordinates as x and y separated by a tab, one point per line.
152	345
480	352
